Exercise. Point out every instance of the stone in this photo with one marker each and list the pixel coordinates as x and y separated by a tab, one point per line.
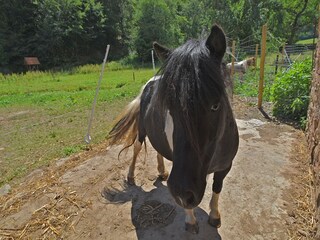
5	189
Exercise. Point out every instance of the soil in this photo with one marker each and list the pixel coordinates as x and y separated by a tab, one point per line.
86	196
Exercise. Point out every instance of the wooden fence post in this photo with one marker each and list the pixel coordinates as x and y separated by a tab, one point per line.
256	56
262	62
233	58
283	55
277	65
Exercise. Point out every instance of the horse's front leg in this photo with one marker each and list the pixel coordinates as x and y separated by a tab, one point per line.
214	216
163	173
191	224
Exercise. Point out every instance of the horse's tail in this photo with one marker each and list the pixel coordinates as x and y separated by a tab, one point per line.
125	130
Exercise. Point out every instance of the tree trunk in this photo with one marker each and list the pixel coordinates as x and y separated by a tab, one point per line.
313	132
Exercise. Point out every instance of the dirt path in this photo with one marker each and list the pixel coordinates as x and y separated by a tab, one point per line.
86	197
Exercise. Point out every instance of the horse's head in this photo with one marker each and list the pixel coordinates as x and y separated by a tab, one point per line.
192	89
251	61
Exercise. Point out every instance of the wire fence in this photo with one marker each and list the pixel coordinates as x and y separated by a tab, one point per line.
279	58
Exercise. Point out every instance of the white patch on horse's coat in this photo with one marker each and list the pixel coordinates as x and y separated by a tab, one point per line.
169	129
137	100
214	213
155	78
179	201
190	218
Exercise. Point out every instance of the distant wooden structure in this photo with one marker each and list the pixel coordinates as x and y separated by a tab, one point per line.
32	63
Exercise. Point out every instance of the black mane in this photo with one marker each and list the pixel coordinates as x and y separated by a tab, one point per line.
191	79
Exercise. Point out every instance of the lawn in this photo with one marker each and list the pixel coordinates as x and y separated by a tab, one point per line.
44	116
307	41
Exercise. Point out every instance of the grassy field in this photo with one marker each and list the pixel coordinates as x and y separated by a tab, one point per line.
44	116
307	41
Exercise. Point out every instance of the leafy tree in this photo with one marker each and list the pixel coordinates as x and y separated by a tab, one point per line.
72	32
296	15
196	18
155	21
17	30
67	30
118	28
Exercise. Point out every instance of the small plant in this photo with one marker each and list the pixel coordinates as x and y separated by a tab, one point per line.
67	151
120	85
248	85
53	134
86	69
96	68
290	93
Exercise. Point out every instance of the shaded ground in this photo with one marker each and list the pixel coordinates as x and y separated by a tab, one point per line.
86	197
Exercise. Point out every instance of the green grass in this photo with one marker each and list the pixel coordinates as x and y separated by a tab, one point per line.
44	116
307	41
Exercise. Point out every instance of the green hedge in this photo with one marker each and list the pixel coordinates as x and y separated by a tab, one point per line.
290	93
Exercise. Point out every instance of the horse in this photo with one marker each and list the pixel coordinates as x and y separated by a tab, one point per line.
242	66
188	119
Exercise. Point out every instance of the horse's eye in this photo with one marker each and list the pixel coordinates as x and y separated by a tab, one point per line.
215	107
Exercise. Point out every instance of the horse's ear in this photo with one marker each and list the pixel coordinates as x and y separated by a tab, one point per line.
216	42
161	51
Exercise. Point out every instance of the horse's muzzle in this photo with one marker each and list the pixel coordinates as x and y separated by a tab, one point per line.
186	199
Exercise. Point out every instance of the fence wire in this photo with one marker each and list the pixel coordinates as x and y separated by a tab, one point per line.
279	58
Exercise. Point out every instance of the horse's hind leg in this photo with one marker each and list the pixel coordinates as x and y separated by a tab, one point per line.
214	216
163	174
136	149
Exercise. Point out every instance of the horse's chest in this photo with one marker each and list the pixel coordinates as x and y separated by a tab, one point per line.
159	128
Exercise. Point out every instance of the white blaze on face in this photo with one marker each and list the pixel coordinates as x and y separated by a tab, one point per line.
169	129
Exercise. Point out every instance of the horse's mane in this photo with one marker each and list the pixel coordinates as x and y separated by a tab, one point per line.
191	78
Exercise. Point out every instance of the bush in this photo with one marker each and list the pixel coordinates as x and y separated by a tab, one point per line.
94	68
290	93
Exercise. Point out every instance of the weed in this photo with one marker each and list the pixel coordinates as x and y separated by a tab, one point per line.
67	151
53	134
120	85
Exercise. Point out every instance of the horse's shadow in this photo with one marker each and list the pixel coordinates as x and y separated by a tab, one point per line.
168	219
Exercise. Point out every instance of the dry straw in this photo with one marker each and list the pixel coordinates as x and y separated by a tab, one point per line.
62	209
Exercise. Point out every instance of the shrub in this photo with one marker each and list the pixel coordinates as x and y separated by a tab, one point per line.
290	92
94	68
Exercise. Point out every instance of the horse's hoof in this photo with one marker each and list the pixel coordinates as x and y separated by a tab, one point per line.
164	176
131	181
192	228
215	222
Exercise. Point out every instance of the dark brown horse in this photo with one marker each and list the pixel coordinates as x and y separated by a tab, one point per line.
186	114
